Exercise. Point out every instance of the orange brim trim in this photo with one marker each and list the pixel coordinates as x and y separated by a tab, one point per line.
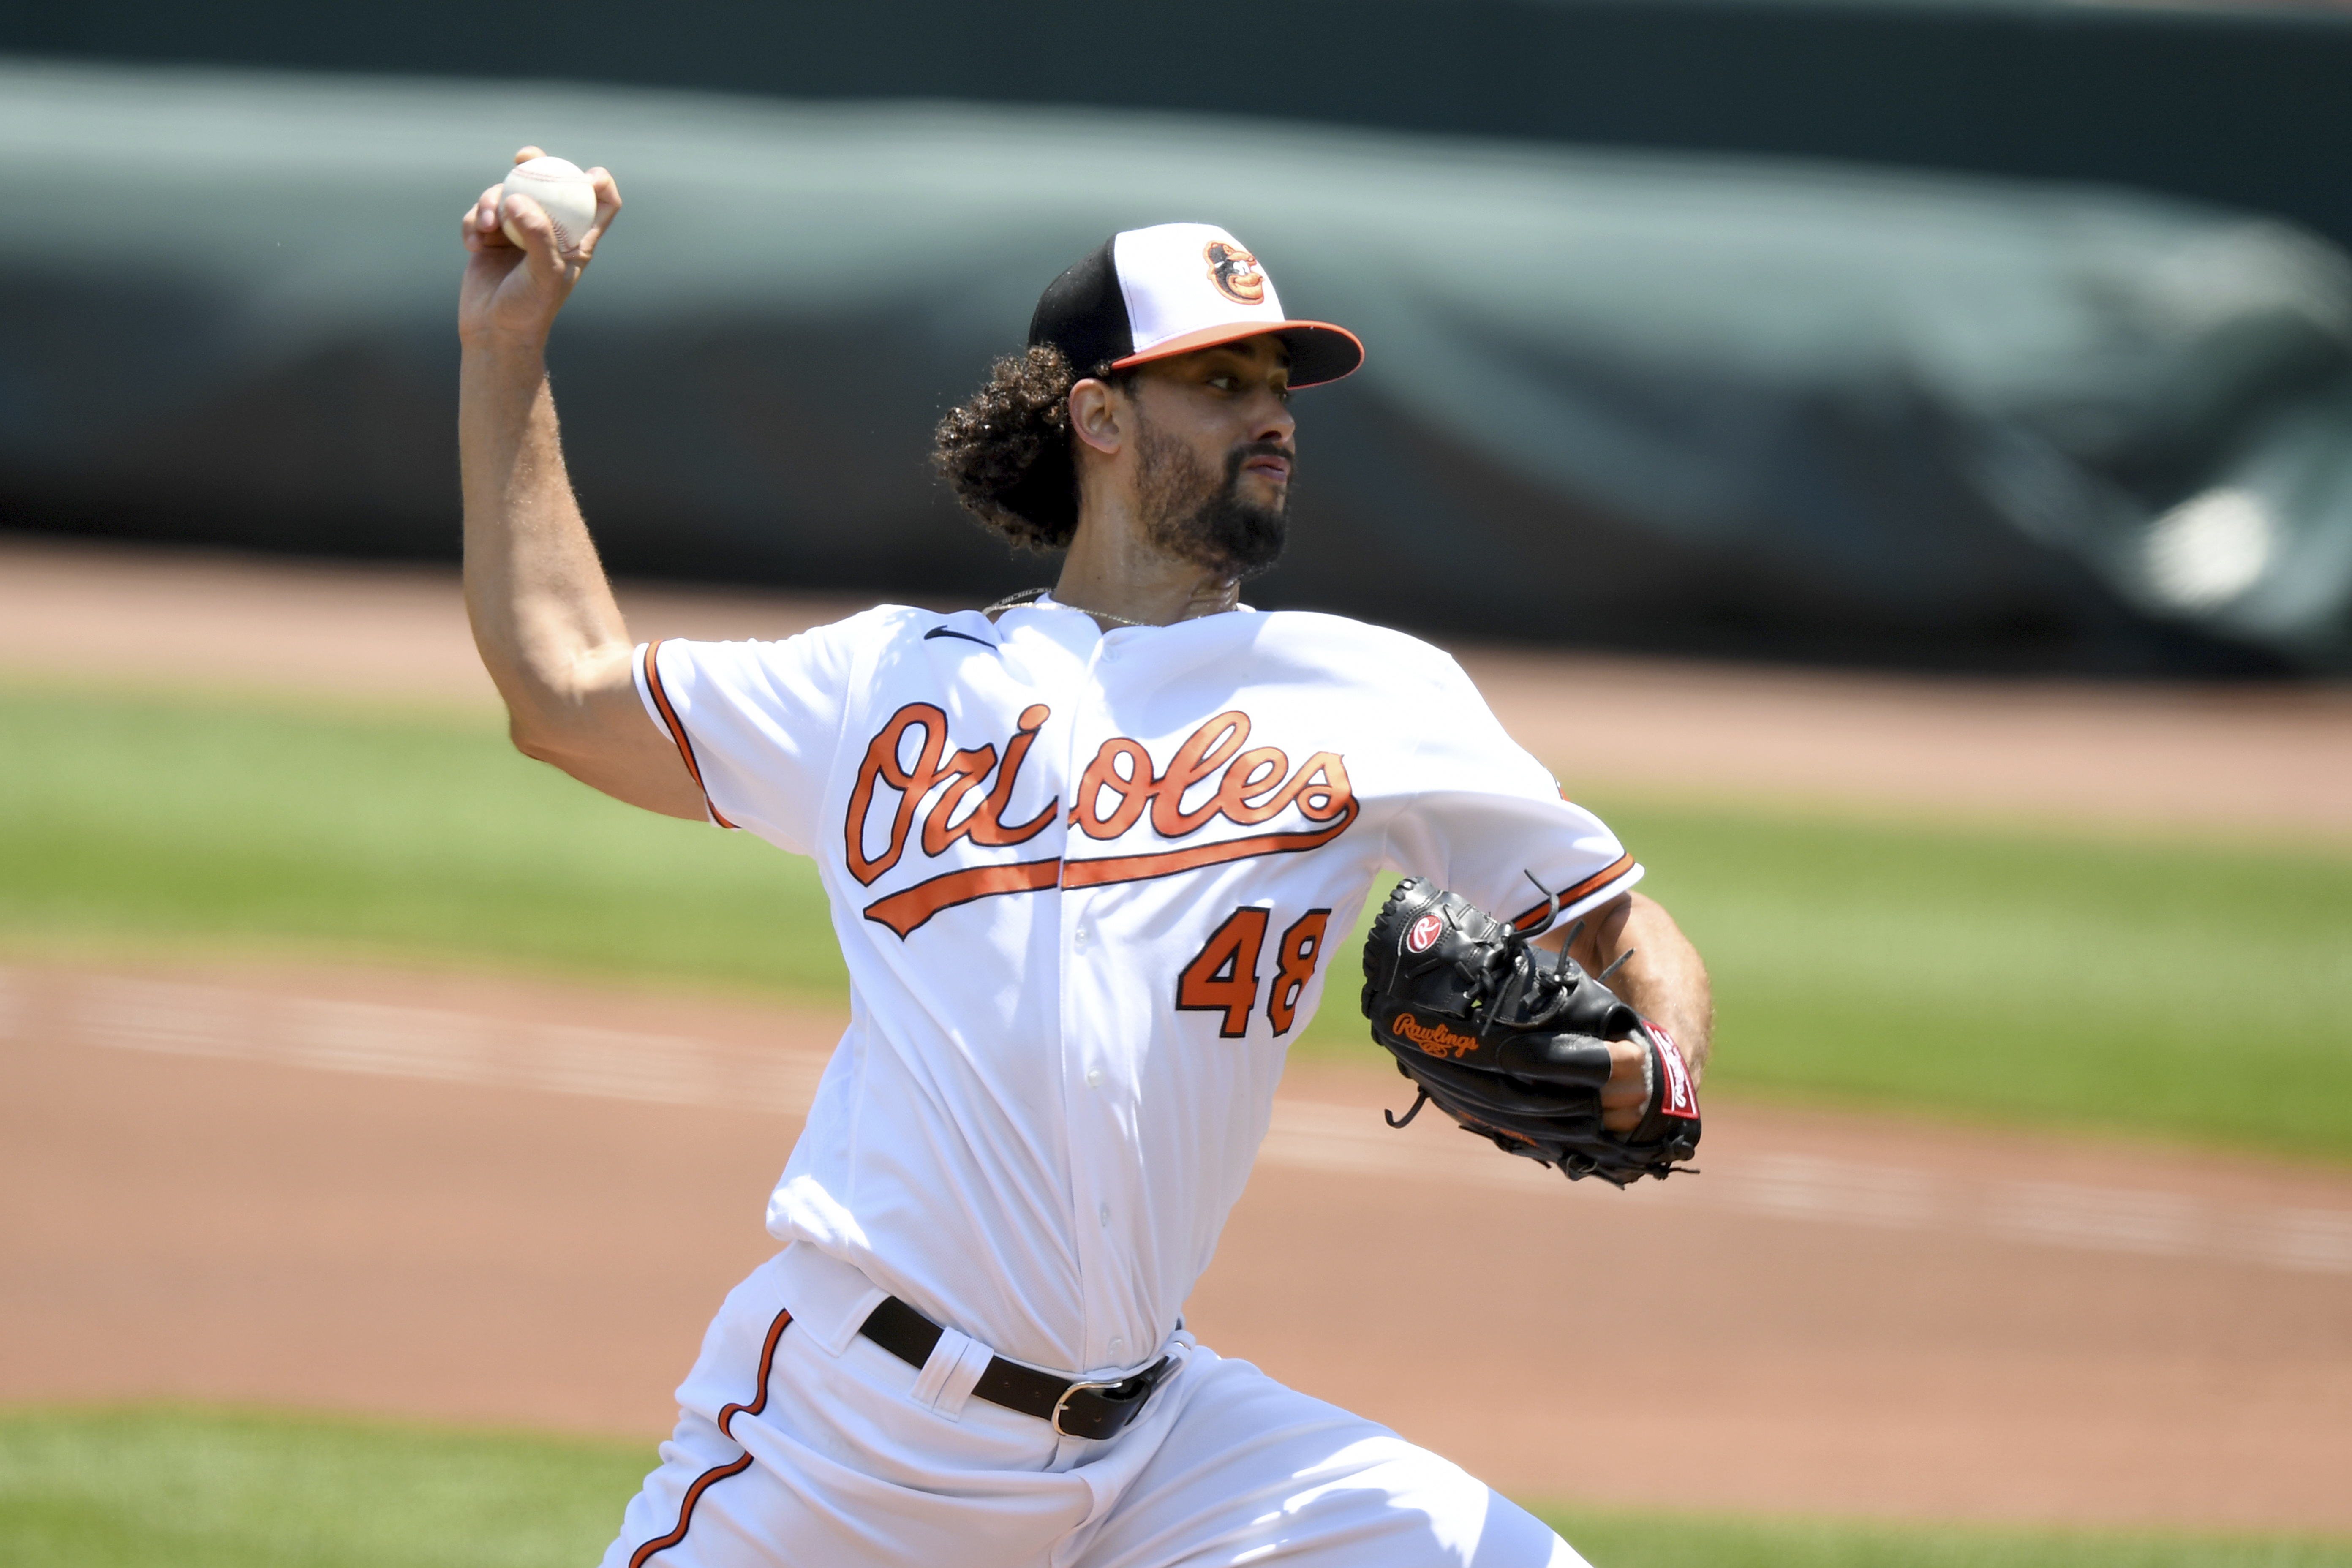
1234	332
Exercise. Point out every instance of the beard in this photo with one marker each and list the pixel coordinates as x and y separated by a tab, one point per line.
1189	512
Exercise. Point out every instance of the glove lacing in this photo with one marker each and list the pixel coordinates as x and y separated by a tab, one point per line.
1484	983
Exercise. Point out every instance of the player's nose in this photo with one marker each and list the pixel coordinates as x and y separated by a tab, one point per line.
1270	419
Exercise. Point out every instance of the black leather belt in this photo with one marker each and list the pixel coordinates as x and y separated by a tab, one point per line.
1079	1409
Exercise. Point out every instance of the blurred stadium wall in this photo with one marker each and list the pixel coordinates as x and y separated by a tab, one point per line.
2012	335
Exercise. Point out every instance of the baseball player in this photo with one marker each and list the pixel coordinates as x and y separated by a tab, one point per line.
1088	855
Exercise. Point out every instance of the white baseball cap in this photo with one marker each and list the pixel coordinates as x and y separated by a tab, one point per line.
1151	293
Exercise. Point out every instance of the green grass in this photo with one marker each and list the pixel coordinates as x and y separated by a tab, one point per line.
130	822
184	1489
170	1488
1617	1539
2008	976
2197	991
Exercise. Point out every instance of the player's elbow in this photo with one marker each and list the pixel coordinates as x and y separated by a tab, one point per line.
572	747
537	740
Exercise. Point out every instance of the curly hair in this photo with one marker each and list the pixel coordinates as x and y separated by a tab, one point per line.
1005	451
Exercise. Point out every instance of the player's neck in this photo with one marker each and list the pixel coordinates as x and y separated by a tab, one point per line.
1113	572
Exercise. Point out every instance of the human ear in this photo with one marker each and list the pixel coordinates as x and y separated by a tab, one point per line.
1098	416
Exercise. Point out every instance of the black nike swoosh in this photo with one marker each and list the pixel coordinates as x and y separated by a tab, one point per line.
944	632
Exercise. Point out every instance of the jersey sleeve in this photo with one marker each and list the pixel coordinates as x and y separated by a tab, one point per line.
757	724
1485	820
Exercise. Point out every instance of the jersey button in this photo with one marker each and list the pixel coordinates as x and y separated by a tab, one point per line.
1078	937
1118	1349
1094	1077
1102	1214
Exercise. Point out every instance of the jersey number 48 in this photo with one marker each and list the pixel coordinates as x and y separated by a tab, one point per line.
1223	976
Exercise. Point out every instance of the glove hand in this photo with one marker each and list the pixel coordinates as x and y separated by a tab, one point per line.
1521	1047
1627	1096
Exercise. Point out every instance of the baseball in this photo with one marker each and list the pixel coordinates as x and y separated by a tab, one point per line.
561	188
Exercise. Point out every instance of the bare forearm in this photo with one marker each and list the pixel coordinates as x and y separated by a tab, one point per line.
544	616
1665	980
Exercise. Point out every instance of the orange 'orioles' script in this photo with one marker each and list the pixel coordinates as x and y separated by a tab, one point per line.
1119	789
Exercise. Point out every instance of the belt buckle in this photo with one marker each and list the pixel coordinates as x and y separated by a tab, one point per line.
1063	1404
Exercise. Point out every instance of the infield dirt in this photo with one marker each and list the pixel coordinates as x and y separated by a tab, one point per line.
518	1203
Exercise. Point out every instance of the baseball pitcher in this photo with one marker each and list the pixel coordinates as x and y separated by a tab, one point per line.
1088	853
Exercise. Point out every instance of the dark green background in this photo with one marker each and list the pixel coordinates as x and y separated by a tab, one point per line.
2243	105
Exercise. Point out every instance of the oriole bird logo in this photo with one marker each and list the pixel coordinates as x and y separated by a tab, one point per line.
1235	272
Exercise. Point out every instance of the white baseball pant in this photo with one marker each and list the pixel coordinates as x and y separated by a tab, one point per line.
800	1442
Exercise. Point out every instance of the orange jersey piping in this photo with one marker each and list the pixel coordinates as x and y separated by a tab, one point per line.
705	1481
1528	917
676	730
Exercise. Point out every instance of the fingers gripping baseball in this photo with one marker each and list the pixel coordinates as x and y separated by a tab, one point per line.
525	258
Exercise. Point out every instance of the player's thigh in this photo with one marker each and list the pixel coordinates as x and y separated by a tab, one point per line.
827	1459
1253	1472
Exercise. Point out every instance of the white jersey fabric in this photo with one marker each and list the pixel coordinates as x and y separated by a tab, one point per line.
1089	886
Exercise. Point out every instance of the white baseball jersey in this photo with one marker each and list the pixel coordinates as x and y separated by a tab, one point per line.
1089	886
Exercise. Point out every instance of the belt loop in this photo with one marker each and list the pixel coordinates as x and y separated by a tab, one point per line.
953	1367
946	1352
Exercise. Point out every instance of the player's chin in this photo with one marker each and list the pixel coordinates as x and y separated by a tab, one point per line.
1267	489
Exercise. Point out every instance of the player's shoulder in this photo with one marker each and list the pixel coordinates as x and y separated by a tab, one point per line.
912	623
819	658
1343	646
1321	627
881	624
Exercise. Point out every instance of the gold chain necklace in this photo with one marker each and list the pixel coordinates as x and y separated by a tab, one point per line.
1104	615
1033	595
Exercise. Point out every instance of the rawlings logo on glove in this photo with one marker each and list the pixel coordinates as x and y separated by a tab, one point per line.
1513	1042
1434	1039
